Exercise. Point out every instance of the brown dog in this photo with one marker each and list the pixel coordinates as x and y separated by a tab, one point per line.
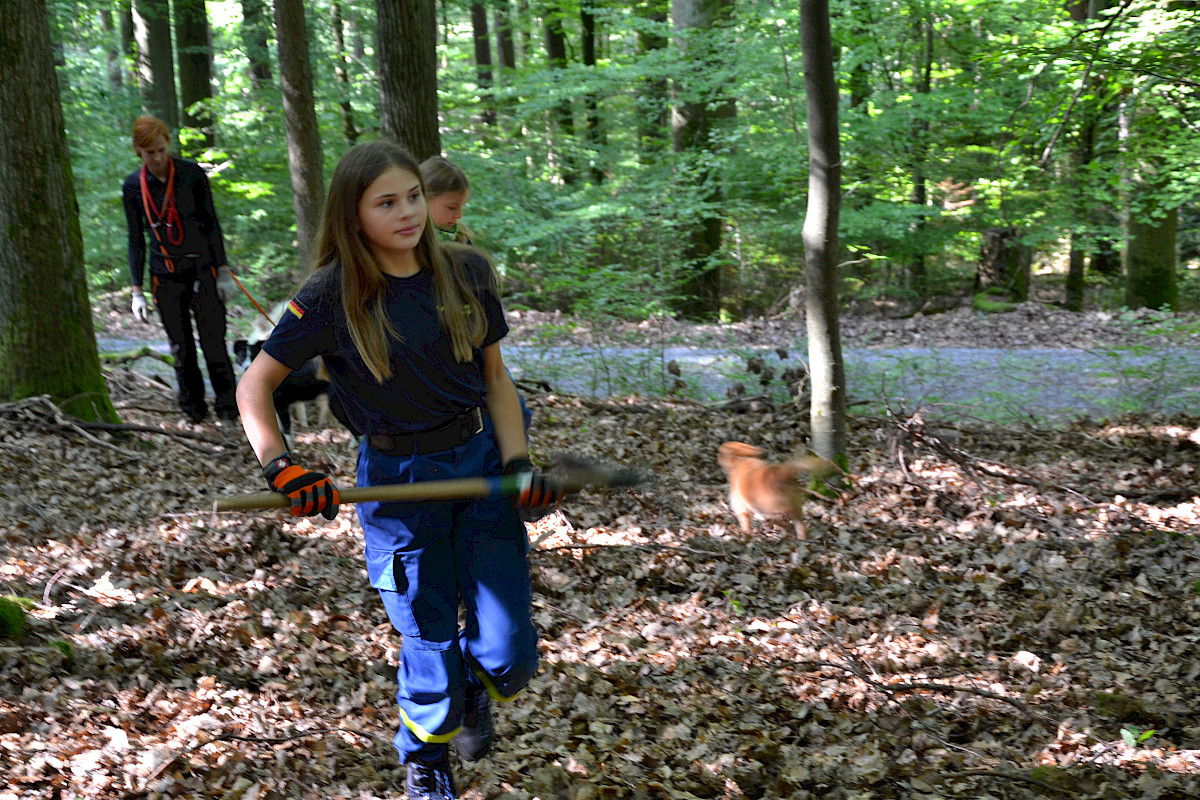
759	489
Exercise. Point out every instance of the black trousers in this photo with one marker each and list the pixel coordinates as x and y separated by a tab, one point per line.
178	302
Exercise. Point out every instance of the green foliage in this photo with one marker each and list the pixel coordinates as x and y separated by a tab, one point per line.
994	140
986	302
1134	737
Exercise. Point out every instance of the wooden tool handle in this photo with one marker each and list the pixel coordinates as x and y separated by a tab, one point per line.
457	489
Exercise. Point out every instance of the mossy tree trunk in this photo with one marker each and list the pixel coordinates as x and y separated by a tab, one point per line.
47	343
1004	265
1150	261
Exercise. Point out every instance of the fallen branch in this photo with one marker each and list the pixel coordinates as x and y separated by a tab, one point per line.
117	359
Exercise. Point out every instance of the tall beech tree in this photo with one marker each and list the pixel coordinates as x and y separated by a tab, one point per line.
305	158
342	73
155	60
406	43
827	414
47	343
256	33
562	145
193	48
700	103
483	62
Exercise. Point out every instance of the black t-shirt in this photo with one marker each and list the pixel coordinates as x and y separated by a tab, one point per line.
202	245
428	386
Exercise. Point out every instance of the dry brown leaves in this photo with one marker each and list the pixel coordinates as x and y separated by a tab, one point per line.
979	616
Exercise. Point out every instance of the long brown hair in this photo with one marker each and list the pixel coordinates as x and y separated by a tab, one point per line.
340	240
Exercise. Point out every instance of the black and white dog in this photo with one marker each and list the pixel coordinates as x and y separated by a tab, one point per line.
307	384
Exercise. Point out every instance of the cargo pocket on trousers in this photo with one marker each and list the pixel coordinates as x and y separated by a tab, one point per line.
381	572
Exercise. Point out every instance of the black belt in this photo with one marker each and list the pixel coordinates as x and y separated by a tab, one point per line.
452	434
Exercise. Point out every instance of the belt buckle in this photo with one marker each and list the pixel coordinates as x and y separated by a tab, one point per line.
478	420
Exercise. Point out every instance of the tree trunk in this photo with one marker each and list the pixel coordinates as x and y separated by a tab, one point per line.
257	32
342	73
47	343
506	55
406	44
563	114
1150	261
653	101
483	62
918	281
193	49
305	160
692	123
595	133
128	43
1004	265
155	64
827	413
113	60
1073	295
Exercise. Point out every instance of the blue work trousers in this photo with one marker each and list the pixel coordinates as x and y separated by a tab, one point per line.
427	557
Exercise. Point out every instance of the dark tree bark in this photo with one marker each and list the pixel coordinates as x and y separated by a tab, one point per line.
1150	261
193	49
155	63
256	32
827	413
917	278
654	104
1004	265
595	133
483	63
563	114
305	159
342	73
693	121
506	55
406	44
47	343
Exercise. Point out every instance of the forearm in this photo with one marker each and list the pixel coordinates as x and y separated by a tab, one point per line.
257	412
504	407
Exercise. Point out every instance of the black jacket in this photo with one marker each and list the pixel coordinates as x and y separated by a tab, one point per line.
202	246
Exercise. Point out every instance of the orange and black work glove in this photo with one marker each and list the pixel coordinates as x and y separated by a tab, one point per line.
309	492
542	495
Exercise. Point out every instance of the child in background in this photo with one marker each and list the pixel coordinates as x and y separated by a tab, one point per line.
410	335
448	191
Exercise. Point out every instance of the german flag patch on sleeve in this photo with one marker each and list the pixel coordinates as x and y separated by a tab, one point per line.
296	309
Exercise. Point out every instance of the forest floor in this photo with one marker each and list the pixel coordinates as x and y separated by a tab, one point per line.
986	612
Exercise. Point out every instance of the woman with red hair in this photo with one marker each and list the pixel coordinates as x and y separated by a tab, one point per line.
168	199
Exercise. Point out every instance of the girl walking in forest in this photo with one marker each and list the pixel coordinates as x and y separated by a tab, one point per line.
449	190
410	335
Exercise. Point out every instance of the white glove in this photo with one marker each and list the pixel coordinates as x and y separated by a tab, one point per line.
226	287
141	309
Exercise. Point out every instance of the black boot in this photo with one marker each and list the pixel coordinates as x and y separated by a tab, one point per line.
475	739
430	780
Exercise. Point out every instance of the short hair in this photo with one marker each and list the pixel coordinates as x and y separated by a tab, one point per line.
147	129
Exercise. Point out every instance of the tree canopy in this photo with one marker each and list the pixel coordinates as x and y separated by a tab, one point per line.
957	116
